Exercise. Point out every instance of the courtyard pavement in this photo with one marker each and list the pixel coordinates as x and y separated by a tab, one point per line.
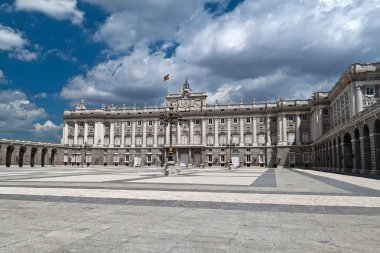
123	209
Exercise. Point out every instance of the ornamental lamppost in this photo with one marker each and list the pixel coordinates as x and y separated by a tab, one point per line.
230	146
170	118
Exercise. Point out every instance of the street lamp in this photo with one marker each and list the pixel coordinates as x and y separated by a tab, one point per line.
230	146
170	119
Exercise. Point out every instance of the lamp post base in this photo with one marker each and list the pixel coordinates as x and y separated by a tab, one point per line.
170	169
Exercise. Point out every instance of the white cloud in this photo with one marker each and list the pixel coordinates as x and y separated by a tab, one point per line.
56	9
41	95
10	39
47	126
47	131
291	47
17	113
13	42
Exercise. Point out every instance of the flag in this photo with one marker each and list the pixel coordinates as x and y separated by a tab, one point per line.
166	77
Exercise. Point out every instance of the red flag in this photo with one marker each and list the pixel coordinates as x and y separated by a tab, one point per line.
166	77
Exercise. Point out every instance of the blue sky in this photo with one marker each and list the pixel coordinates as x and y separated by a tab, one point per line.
55	52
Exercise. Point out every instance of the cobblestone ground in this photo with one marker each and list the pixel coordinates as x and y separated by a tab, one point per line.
119	209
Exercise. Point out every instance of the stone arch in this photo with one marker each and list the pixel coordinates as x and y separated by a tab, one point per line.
367	149
43	154
32	156
376	139
358	153
347	153
52	155
8	157
21	156
340	153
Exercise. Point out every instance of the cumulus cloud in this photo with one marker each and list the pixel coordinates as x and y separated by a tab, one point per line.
14	42
56	9
17	113
291	47
47	131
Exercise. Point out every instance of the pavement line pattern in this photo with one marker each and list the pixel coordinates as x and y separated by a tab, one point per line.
252	198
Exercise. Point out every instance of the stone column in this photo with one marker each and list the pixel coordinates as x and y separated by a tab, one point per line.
76	133
191	130
167	131
133	144
298	129
96	134
122	134
268	131
241	131
228	130
203	132
112	134
179	141
359	99
254	131
85	132
284	130
144	133
216	132
177	157
155	127
66	134
320	122
279	130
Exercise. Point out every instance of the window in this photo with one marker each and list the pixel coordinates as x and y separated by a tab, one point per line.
80	140
290	117
222	121
118	123
261	139
261	119
106	140
128	141
210	140
138	141
306	157
117	140
235	120
149	141
197	122
161	139
65	158
127	158
210	121
369	91
274	119
248	139
184	139
128	123
161	122
149	158
235	139
88	158
116	158
325	111
222	158
209	159
90	140
291	137
248	158
247	120
139	123
292	158
197	139
150	123
222	139
305	137
91	124
303	116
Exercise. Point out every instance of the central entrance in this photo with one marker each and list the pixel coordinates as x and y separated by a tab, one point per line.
184	159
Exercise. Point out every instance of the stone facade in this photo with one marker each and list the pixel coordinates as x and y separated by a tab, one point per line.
336	131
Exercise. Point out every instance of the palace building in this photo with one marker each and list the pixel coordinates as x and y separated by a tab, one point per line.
336	131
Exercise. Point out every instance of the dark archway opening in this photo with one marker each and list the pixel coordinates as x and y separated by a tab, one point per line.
367	150
358	153
52	156
347	153
21	156
32	156
340	154
43	154
8	157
